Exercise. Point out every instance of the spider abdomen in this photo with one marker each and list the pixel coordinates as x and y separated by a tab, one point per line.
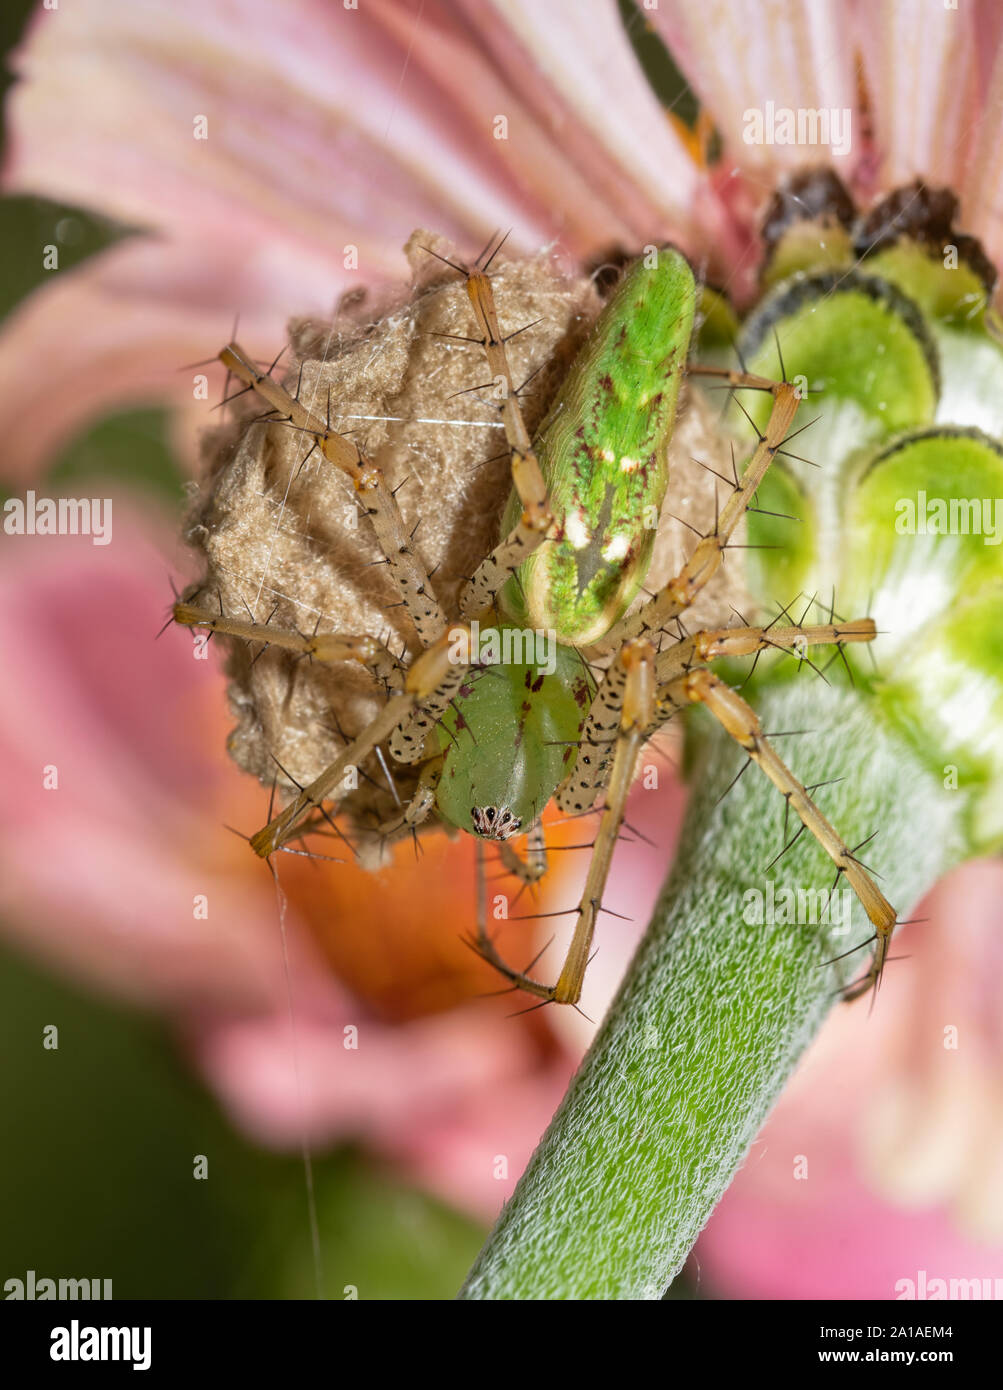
509	738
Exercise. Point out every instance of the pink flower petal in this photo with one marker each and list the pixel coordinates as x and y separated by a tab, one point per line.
741	54
988	24
479	1146
99	877
831	1240
457	1101
982	191
382	1080
320	132
533	161
581	82
826	1205
100	873
295	168
934	1115
921	86
117	330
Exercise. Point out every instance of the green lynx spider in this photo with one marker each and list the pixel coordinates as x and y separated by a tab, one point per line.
575	550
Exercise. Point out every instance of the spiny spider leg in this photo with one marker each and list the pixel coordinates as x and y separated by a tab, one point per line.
534	866
421	805
433	672
413	739
581	787
536	519
374	496
635	664
678	594
322	646
704	647
739	720
480	942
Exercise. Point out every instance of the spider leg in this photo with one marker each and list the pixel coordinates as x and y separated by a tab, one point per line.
739	720
703	647
596	745
420	807
412	740
536	520
534	866
678	594
635	681
429	684
321	646
374	496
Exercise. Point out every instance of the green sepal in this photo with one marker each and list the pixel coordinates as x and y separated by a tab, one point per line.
905	546
949	293
944	691
716	325
857	341
808	247
870	366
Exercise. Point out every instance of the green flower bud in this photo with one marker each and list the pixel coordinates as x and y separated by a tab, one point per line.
902	515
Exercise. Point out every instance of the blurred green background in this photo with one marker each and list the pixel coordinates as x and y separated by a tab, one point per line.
100	1135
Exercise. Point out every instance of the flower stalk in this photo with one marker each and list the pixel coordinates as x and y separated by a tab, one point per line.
714	1012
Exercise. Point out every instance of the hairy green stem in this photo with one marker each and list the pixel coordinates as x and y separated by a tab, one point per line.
714	1011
